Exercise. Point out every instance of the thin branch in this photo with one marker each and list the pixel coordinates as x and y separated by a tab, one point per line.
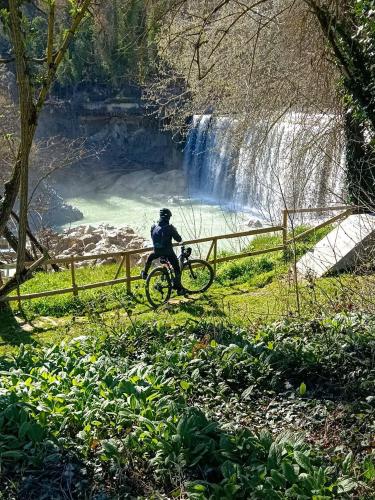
51	29
7	61
51	72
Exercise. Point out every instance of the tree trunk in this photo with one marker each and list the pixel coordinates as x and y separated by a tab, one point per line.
13	242
11	189
25	275
28	124
29	112
360	171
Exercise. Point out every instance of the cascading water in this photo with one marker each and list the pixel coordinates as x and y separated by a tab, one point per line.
295	162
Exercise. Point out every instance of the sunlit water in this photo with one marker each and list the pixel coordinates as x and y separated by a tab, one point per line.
193	218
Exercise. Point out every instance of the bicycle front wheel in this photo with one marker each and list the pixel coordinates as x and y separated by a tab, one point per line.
197	275
158	287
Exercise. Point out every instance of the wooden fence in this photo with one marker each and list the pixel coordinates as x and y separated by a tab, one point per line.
124	257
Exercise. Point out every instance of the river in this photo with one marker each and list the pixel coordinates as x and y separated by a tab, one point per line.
193	218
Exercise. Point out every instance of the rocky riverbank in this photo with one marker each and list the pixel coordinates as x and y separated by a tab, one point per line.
89	240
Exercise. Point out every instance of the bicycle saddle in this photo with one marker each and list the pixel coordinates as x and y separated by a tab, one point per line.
164	260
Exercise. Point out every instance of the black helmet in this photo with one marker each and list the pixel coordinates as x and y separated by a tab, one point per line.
165	213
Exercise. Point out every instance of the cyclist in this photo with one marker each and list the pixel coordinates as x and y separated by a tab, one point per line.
162	234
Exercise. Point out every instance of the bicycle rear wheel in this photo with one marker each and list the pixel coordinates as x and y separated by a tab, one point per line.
197	275
158	287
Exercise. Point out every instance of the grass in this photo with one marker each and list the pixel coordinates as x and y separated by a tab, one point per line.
245	291
256	272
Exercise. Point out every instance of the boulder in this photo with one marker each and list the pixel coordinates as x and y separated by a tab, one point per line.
254	223
347	247
90	240
89	248
87	229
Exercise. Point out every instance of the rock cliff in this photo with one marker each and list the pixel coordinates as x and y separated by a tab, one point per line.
120	127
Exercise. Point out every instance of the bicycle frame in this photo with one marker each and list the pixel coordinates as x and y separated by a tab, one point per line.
182	258
189	282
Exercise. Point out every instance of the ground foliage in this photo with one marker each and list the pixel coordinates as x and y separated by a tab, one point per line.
202	411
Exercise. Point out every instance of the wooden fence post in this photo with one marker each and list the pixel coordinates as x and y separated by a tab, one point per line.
210	250
127	268
122	262
19	298
215	254
73	273
285	228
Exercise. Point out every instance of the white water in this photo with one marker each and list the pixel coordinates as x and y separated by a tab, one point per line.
297	161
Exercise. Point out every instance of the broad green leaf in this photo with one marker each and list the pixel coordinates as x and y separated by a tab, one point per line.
35	432
198	487
109	447
302	389
278	478
369	469
184	385
247	392
345	485
288	471
23	430
228	469
12	454
347	462
302	460
28	382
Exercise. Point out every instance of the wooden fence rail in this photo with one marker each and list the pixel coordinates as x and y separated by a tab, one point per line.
125	256
345	209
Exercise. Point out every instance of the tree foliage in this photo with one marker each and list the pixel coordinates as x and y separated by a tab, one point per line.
113	46
261	59
35	77
349	28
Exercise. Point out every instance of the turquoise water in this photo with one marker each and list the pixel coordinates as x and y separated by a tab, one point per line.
193	219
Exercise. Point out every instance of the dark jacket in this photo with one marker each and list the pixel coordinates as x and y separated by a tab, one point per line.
162	234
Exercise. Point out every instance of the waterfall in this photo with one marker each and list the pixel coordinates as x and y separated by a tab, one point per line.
297	161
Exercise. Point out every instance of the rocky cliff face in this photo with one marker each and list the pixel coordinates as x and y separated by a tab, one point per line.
119	127
124	146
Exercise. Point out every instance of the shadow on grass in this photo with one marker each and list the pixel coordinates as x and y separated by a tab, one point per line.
17	329
198	307
11	331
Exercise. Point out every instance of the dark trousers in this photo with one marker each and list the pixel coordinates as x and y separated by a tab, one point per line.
171	256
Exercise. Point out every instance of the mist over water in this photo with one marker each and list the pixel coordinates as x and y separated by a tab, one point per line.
194	219
134	200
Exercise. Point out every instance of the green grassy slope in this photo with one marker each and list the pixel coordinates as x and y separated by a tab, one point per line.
245	290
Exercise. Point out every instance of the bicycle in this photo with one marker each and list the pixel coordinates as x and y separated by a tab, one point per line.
197	276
